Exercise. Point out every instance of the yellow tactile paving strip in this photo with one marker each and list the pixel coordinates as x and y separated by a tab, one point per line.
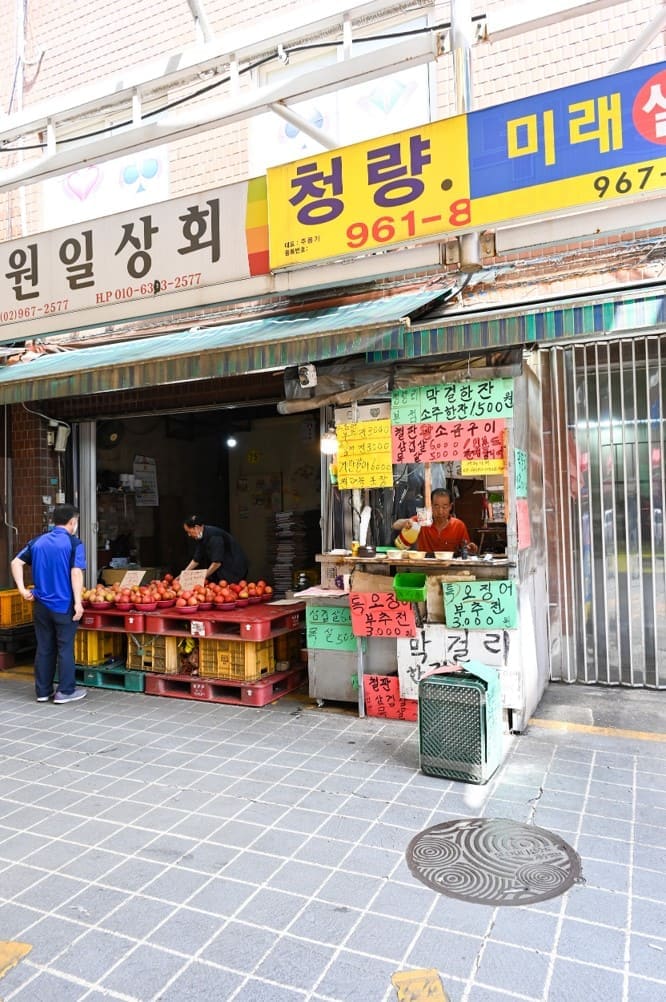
10	954
611	732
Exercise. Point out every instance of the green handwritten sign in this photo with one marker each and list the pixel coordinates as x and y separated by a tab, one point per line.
327	614
481	605
520	463
481	398
328	628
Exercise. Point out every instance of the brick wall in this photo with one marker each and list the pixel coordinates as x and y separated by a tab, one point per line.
108	38
34	465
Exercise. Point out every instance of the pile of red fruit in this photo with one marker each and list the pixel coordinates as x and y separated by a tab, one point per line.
170	589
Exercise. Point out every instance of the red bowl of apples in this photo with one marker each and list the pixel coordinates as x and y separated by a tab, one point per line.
165	603
145	606
185	610
225	606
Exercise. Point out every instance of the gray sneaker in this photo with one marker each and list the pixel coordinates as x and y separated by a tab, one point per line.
69	697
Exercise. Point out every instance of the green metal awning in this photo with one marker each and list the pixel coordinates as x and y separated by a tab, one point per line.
379	329
212	353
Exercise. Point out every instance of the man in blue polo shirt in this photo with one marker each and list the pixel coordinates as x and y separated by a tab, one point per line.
57	560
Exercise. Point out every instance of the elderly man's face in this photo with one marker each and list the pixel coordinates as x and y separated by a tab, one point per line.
194	531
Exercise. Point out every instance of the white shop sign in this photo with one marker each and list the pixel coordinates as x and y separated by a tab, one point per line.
154	258
436	645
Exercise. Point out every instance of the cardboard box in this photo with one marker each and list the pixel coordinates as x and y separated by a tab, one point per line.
110	576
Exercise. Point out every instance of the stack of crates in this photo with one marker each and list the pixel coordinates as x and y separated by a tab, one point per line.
153	653
236	660
16	630
460	724
94	647
14	610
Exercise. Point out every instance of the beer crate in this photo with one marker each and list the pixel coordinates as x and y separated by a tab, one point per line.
95	647
14	610
239	660
153	653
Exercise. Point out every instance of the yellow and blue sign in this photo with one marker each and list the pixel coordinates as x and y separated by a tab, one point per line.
591	142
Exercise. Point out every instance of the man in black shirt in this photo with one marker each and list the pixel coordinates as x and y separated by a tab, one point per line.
216	550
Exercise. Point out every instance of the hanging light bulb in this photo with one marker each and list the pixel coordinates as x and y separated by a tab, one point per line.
329	442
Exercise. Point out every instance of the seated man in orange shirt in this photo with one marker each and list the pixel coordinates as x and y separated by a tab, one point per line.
446	532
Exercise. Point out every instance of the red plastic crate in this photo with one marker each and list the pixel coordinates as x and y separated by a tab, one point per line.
255	622
126	622
259	693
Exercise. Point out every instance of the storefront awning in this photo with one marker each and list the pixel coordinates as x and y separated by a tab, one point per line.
211	353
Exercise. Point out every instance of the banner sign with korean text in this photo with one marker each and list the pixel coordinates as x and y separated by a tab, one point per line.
328	628
452	422
434	646
380	614
481	605
580	145
156	258
364	454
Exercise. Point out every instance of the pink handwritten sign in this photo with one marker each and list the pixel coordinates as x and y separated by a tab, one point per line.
448	441
523	523
380	614
381	694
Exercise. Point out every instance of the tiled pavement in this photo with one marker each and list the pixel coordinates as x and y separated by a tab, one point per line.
161	849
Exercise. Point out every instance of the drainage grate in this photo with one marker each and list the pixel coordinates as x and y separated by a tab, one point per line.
493	861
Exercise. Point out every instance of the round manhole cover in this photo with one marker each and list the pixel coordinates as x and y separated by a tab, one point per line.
493	861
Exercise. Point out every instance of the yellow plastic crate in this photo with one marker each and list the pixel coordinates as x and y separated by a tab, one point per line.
14	610
94	647
155	653
240	660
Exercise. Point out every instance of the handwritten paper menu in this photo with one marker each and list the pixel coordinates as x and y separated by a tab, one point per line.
480	605
364	454
328	628
381	694
435	645
451	421
446	442
380	614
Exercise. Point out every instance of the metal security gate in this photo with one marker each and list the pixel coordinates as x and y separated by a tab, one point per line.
604	441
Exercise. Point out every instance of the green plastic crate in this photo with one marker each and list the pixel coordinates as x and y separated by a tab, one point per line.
460	724
409	587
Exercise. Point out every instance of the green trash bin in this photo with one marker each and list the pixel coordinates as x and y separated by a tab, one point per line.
460	724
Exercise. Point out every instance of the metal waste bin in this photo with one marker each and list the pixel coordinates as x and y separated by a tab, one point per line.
460	724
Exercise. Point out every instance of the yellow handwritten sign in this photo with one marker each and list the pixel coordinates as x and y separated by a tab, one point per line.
364	454
481	467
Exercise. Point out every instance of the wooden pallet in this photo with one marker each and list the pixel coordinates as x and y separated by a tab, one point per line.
266	690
